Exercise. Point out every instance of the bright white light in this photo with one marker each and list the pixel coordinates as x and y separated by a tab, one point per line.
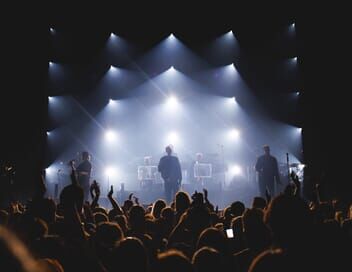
229	34
293	25
234	134
51	63
297	93
112	102
172	69
172	102
172	138
113	36
111	171
51	99
49	170
233	99
299	129
294	59
172	37
235	170
48	133
52	30
110	135
113	69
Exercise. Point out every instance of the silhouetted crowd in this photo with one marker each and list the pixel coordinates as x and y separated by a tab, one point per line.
282	233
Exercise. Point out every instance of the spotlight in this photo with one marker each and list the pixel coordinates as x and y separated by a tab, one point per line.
172	138
110	171
48	133
172	102
113	69
299	129
234	134
297	93
229	34
293	25
51	63
110	135
112	102
172	37
52	30
113	36
49	170
235	170
51	99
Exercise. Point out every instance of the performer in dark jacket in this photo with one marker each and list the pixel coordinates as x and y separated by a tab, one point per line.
170	169
83	173
268	172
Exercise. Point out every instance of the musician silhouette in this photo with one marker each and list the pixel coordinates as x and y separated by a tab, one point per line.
83	173
268	172
170	169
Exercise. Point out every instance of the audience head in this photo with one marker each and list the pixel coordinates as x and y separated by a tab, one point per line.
130	255
270	260
207	259
173	261
289	219
72	196
214	238
237	208
182	202
107	235
157	207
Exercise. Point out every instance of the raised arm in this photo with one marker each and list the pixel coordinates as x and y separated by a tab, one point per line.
113	202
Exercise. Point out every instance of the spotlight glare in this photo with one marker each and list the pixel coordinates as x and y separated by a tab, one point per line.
113	36
112	69
172	102
49	170
48	133
235	170
172	37
110	171
172	138
52	30
297	93
234	134
110	135
112	102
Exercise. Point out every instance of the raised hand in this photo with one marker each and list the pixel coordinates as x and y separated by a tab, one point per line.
96	188
130	196
267	195
136	200
205	191
111	192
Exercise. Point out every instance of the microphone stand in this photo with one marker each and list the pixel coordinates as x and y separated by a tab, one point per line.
288	167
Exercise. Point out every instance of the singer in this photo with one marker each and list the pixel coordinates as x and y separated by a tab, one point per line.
83	173
268	172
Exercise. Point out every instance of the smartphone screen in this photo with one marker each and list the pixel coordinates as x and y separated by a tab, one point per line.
229	233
